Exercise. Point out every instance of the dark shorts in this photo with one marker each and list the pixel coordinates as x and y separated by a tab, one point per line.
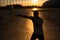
39	36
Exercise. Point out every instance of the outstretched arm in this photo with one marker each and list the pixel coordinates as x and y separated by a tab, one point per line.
25	16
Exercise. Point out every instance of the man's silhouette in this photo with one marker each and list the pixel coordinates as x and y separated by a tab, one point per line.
37	23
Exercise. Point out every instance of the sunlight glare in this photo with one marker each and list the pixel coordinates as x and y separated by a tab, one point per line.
35	2
34	9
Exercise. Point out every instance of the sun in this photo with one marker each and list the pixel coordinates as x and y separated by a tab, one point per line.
38	2
34	2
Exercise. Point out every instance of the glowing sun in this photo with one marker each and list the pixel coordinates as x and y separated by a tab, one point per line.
34	2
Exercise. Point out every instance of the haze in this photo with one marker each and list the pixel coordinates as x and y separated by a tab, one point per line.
22	2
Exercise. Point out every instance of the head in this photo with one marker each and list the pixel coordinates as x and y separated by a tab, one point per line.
36	14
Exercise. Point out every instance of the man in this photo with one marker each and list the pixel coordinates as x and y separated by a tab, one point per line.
37	23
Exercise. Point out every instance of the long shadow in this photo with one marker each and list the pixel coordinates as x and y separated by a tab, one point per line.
37	22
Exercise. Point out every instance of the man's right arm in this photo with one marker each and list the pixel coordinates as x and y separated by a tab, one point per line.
24	16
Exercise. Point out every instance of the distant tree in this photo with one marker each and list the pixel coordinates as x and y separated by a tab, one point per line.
52	3
15	6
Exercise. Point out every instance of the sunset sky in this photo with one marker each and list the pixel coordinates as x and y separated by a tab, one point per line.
22	2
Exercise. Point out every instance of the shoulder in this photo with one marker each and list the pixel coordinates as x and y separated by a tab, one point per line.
31	17
40	19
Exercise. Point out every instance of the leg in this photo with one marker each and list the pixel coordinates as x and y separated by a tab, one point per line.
41	37
33	36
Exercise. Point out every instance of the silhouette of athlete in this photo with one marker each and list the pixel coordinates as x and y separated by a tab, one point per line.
37	22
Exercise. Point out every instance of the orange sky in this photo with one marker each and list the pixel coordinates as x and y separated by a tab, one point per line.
24	3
